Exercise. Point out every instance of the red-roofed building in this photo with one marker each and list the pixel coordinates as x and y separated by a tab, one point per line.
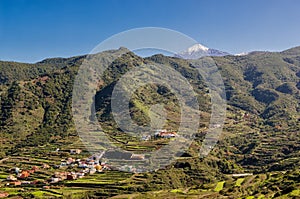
4	194
165	134
35	168
15	183
24	174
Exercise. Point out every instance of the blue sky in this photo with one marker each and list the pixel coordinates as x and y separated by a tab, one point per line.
31	30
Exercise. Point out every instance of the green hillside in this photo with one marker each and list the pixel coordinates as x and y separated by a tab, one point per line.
260	136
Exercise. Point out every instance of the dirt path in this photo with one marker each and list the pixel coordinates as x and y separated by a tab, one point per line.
4	159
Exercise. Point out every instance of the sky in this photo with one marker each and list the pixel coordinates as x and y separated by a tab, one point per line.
32	30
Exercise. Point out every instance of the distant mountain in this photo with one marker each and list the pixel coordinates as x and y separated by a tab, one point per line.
197	51
261	131
35	103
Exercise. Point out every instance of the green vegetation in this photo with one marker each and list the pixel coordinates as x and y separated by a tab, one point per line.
219	186
239	182
261	132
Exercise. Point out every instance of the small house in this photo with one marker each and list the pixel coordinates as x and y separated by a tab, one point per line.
165	134
75	151
17	170
54	180
46	166
31	171
80	174
158	131
71	176
11	178
98	167
35	168
24	174
137	157
70	161
16	183
35	182
4	194
146	137
92	170
56	166
168	134
61	175
86	170
82	165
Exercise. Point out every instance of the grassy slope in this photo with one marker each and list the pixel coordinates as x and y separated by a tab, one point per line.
38	110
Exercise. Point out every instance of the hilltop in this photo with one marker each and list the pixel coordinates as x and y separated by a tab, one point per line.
261	132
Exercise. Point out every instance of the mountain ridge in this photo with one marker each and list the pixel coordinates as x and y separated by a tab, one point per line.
260	135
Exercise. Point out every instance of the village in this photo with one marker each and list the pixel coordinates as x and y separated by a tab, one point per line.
58	170
73	167
86	166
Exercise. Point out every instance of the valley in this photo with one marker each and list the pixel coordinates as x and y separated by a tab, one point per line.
257	155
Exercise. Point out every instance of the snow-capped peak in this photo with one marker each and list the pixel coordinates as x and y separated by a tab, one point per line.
197	47
197	50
